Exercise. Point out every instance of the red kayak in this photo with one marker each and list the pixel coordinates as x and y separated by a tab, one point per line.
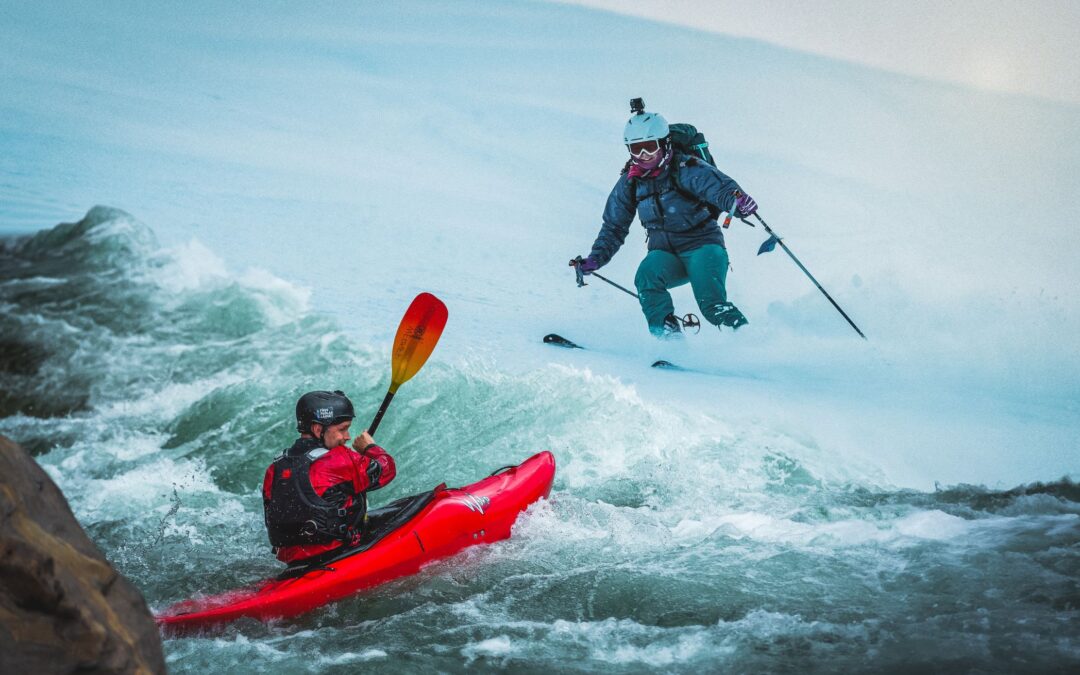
401	538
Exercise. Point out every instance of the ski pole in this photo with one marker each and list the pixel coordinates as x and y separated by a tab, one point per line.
624	290
787	250
688	321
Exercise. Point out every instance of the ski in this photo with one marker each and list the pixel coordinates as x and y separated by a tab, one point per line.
666	365
559	341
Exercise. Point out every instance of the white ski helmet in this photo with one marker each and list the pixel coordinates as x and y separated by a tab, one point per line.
645	126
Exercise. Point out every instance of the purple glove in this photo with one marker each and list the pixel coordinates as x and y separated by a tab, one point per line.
745	204
587	266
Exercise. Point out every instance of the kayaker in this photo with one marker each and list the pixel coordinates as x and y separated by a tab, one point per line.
314	494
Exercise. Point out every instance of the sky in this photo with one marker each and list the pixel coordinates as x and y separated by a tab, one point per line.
1026	47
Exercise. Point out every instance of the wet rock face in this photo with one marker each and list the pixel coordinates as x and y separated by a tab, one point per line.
63	608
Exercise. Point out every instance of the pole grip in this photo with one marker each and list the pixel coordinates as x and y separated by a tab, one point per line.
578	274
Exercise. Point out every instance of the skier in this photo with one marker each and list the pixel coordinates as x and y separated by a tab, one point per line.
314	499
677	197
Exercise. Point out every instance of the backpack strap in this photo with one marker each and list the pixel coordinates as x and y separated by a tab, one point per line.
631	182
678	160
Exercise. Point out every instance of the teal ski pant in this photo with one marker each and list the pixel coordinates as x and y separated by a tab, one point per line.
705	268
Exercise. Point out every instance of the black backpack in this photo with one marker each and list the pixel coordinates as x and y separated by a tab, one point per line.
689	141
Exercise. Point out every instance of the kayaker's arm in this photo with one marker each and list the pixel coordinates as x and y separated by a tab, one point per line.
375	466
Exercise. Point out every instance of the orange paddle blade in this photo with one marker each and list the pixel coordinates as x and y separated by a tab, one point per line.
416	337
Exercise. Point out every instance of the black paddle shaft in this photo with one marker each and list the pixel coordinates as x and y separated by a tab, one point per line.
382	410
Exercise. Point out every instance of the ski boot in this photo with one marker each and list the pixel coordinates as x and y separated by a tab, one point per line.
729	315
672	328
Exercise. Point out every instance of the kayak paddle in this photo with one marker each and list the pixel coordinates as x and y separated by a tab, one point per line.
416	337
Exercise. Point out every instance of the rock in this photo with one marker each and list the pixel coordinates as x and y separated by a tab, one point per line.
63	608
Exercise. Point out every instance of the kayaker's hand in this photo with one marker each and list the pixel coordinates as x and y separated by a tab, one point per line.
361	442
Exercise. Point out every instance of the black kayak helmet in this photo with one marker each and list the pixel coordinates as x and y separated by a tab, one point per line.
322	407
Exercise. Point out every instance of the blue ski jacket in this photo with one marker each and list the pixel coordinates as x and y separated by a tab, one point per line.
673	208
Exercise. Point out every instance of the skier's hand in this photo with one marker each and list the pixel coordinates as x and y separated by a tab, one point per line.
586	265
745	204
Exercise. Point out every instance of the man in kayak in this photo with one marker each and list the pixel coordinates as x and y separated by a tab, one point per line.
314	497
677	198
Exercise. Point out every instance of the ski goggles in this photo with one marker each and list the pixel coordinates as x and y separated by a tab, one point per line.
642	149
